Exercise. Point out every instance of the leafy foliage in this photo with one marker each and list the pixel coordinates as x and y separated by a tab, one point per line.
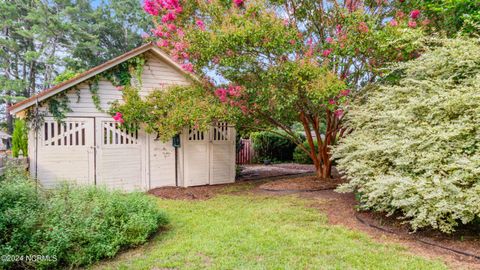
74	226
415	148
277	63
272	146
121	74
168	111
453	16
59	106
299	156
20	138
93	87
20	207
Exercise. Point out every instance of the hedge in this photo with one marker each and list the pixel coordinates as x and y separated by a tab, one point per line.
70	226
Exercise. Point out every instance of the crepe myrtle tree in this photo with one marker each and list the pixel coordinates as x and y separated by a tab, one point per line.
272	70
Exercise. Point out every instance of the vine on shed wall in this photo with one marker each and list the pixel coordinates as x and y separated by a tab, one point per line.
93	87
119	75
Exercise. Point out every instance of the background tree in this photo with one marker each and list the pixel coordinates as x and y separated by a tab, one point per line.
40	39
276	63
452	17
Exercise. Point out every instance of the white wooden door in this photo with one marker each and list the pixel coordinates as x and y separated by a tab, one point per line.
196	158
222	154
119	156
162	163
66	152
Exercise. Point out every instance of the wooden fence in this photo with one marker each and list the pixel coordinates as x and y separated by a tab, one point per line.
246	153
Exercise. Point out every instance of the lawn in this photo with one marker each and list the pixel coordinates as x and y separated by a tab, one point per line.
257	232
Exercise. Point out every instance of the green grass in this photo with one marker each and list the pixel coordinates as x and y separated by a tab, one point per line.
254	232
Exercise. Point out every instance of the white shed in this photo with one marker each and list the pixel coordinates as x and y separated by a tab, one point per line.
90	148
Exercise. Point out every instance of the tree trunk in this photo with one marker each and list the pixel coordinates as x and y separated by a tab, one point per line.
321	160
320	157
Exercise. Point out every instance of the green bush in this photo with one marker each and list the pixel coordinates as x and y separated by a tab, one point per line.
299	156
20	209
415	146
75	225
20	138
272	146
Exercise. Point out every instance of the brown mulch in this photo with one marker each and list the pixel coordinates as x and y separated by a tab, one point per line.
190	193
466	239
305	183
340	210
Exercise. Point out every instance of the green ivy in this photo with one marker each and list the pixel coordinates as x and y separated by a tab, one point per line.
34	117
120	75
93	87
58	106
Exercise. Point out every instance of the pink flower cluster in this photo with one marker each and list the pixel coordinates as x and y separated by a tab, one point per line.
344	93
363	27
352	5
188	67
118	117
230	91
170	35
153	7
200	24
230	96
238	3
413	15
326	52
338	113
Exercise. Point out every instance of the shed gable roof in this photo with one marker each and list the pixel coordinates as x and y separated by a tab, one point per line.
24	104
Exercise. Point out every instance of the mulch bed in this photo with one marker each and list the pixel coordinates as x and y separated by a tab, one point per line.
340	209
190	193
305	183
260	171
464	239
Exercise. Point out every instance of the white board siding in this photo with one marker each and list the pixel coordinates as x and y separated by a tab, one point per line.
162	163
222	164
222	154
196	157
156	75
209	158
120	162
73	159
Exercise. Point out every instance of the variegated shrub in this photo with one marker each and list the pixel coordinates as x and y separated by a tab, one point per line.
415	148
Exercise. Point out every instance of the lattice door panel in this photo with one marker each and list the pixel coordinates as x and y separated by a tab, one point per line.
196	135
112	134
220	132
68	133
